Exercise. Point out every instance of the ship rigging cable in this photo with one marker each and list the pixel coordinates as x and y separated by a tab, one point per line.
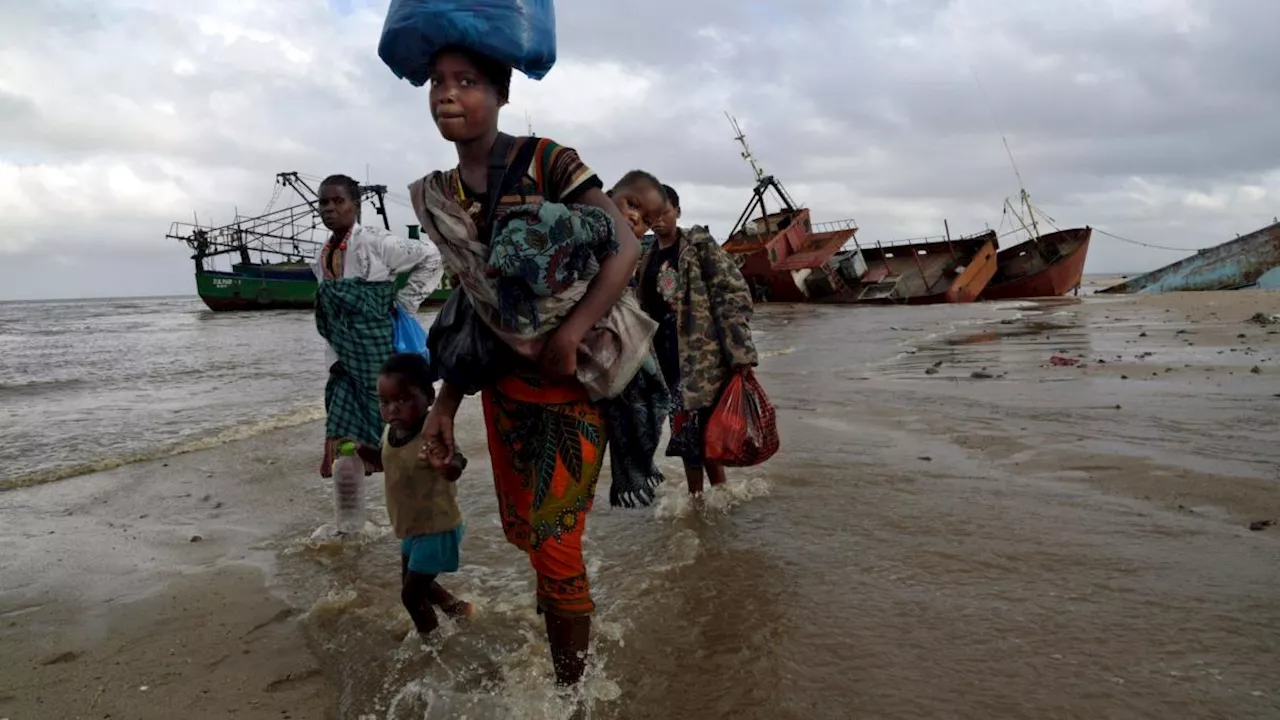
1143	244
995	120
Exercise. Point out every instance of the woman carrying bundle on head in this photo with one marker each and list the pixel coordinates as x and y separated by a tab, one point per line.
560	352
695	292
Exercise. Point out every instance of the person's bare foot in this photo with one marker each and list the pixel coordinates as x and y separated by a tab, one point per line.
459	610
453	607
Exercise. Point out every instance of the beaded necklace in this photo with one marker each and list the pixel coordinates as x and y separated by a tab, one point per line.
334	269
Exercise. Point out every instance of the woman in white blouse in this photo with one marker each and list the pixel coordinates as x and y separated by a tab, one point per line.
372	254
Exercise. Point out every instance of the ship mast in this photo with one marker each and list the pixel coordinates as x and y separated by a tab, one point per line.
764	183
746	149
1023	196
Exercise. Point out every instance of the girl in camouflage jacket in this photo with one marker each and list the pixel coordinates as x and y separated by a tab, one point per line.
702	305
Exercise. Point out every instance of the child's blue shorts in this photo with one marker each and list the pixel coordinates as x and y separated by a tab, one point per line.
434	553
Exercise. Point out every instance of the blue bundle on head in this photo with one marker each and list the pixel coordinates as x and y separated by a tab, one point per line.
520	33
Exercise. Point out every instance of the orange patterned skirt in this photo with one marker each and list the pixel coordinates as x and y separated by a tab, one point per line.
547	443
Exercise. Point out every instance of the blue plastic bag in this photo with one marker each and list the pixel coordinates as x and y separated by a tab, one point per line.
409	336
521	33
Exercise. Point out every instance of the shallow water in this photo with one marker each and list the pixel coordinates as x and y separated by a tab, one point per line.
498	665
91	384
925	545
87	385
882	565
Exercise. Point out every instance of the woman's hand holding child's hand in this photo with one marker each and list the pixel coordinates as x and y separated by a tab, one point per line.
437	439
454	471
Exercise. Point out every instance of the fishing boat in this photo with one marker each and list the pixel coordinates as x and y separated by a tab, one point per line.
1249	261
1045	265
265	259
917	272
782	255
777	250
785	257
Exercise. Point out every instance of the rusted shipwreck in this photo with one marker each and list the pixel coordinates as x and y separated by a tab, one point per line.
917	272
785	257
778	252
1045	265
1245	262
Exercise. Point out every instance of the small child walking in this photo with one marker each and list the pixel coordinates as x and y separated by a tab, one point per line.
421	501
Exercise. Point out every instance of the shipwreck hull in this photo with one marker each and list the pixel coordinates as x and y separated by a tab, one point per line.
779	252
1239	263
1049	266
765	282
955	271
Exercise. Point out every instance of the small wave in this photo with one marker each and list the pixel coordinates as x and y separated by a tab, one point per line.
223	437
517	687
1016	305
674	501
37	387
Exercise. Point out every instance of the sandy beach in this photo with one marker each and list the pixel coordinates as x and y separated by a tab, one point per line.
147	591
1046	513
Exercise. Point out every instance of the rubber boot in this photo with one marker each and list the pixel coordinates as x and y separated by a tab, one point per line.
569	638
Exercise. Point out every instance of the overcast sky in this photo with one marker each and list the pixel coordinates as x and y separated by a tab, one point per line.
1152	119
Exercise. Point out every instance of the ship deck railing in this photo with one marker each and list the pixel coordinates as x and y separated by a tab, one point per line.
833	226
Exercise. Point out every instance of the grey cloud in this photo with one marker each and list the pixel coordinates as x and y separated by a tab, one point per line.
14	110
864	109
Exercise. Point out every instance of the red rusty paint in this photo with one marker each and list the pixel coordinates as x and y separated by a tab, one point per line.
1048	266
769	261
813	251
938	283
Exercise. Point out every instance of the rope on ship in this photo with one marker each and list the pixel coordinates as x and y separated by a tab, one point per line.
1007	207
1143	244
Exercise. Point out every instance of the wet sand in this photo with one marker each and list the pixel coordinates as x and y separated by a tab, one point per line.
1167	396
965	530
147	591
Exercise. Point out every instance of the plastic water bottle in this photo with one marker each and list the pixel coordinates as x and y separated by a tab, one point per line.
348	490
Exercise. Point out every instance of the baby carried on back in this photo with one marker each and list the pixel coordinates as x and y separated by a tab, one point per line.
538	265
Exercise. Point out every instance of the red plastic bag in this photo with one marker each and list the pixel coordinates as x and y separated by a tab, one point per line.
743	429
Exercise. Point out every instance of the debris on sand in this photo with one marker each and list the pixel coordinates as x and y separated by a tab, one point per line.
981	375
62	659
1264	319
1063	361
1260	525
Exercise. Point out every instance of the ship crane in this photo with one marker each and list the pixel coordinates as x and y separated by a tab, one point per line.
287	234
